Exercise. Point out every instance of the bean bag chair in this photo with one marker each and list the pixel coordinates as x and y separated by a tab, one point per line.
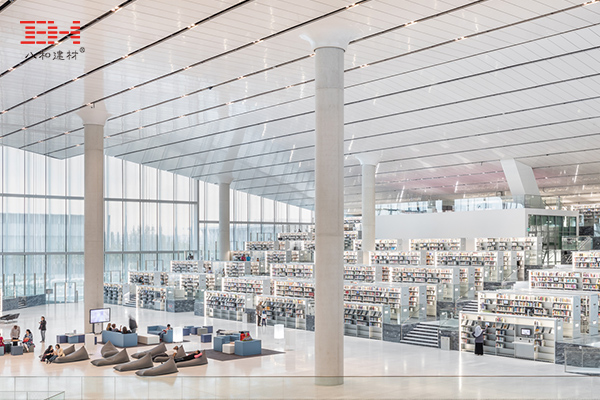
119	358
164	357
109	350
79	355
202	360
164	369
69	350
144	362
161	348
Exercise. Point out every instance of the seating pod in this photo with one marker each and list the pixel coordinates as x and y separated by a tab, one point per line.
202	360
119	358
164	369
69	350
108	350
161	348
120	339
80	354
157	329
144	362
164	357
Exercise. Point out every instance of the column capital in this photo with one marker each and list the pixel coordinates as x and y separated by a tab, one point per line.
368	158
94	114
328	34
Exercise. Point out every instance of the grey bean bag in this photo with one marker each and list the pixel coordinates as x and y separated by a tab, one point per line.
119	358
202	360
164	369
69	350
161	348
144	362
79	355
163	358
109	350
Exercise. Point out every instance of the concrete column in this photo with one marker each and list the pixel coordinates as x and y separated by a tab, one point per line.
93	286
224	243
369	163
329	204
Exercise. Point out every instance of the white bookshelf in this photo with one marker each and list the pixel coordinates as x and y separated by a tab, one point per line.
259	246
398	257
350	257
184	266
438	244
586	259
566	307
301	288
365	320
362	273
531	338
292	270
226	305
289	311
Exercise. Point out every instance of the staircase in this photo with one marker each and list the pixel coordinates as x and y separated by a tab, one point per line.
423	335
130	301
471	306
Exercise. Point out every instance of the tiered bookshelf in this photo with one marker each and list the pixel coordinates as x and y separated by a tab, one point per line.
235	269
586	259
438	244
557	279
362	273
276	256
304	289
141	278
239	254
350	257
295	236
349	238
259	246
531	243
185	266
565	307
225	305
365	320
512	336
247	285
153	298
290	270
398	257
396	296
113	293
288	311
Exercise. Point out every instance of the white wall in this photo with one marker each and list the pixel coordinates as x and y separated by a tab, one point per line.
468	224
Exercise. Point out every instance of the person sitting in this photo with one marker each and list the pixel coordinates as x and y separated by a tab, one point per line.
109	327
124	329
49	352
190	356
164	332
114	328
58	352
15	332
28	341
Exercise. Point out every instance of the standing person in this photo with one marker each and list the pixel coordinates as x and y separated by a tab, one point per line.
478	335
264	317
15	332
43	329
132	324
259	308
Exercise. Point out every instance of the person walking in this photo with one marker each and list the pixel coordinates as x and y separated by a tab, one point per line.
478	335
43	329
259	308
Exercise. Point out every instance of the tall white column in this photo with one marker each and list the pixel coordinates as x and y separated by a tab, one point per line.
93	284
224	243
329	205
369	163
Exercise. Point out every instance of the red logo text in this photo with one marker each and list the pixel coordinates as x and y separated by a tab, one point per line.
47	32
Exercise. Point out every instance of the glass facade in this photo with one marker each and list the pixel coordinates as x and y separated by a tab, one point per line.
151	217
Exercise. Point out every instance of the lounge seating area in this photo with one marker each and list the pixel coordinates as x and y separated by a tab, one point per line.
157	329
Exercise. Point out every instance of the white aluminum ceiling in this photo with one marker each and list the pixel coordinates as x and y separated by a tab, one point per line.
441	90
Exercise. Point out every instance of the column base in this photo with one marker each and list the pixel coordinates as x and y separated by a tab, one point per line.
329	380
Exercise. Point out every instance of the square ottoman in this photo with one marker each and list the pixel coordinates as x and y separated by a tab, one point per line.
16	350
229	348
61	339
201	331
248	347
73	339
209	329
192	330
206	338
148	339
186	331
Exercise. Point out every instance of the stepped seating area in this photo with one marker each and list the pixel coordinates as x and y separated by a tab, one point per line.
424	334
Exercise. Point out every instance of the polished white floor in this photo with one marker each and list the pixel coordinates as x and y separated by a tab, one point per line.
373	369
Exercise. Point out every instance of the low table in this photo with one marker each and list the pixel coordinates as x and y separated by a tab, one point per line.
148	339
229	348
